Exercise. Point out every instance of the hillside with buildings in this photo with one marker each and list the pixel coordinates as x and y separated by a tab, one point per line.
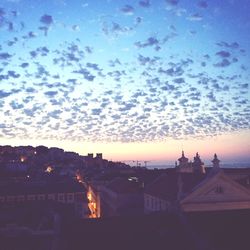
50	197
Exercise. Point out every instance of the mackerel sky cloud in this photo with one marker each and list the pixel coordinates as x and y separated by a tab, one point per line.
124	71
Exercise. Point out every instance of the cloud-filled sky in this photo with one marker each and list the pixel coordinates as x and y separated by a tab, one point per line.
112	72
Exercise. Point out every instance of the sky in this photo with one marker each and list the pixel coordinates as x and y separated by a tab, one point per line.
135	80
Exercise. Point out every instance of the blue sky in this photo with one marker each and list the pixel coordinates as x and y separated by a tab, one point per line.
124	71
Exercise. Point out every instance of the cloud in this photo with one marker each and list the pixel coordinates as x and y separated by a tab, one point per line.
30	90
202	4
130	96
223	63
13	74
24	65
127	106
4	94
145	3
195	17
244	86
55	114
223	53
16	105
85	73
179	80
32	112
2	12
174	71
151	41
51	94
113	29
93	66
233	45
4	56
12	42
172	2
143	60
96	111
46	19
127	9
113	63
89	49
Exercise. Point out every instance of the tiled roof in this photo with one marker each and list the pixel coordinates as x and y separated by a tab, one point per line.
166	186
124	186
24	188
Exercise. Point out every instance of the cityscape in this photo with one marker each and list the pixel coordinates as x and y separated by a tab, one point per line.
49	197
124	124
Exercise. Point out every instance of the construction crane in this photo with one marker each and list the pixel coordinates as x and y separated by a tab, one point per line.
137	162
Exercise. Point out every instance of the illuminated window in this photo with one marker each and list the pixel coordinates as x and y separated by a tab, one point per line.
89	196
22	159
49	169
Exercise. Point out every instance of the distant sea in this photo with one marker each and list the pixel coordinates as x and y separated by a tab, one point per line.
225	165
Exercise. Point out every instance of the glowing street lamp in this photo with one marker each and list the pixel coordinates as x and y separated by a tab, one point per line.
49	169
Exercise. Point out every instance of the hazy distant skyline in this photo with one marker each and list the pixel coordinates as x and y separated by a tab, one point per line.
137	80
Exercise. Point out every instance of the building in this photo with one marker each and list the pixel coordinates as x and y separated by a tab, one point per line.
216	192
122	196
68	192
94	200
193	188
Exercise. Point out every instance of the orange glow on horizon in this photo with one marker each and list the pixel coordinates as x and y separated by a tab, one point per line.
231	146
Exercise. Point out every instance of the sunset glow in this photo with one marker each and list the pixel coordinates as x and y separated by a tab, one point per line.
135	80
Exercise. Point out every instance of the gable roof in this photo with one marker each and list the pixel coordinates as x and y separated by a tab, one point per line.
217	188
166	186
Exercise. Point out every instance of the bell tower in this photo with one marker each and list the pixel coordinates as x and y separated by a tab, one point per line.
216	161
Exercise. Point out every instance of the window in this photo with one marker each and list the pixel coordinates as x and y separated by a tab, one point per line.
10	198
219	189
70	197
41	197
20	198
51	197
60	197
31	198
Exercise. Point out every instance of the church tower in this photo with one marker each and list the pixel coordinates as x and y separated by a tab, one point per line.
184	165
198	165
183	161
216	161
